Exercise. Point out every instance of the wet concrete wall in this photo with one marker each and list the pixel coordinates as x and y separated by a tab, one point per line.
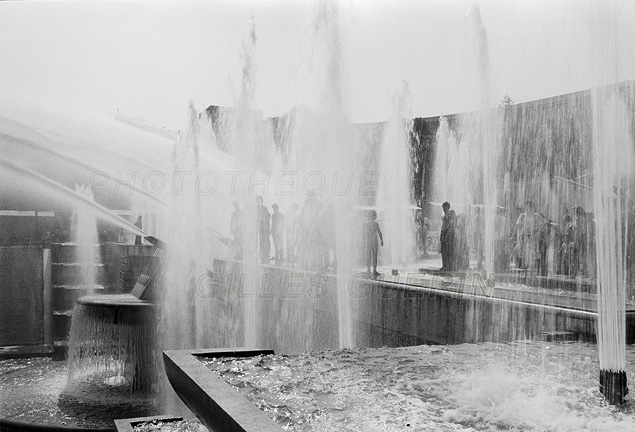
284	309
294	311
21	296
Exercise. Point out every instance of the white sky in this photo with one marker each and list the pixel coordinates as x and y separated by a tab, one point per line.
149	58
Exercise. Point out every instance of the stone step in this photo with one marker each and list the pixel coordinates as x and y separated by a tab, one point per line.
71	273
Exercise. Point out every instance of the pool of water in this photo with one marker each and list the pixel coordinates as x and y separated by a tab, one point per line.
528	386
35	391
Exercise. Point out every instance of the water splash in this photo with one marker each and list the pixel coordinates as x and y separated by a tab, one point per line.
84	234
613	162
114	346
468	153
394	195
452	158
187	243
68	196
527	386
612	144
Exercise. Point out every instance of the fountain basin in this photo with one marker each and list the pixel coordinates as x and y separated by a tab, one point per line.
528	385
115	332
35	398
210	398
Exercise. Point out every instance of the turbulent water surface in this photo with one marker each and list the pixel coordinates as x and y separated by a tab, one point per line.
35	391
521	386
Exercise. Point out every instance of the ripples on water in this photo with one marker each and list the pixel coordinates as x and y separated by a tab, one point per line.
29	390
535	386
35	391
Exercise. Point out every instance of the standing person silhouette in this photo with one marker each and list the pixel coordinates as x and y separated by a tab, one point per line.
528	228
138	224
446	239
372	239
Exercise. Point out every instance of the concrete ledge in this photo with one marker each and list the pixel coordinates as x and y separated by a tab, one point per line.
216	404
25	351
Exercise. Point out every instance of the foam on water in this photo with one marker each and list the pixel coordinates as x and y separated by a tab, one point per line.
521	386
34	391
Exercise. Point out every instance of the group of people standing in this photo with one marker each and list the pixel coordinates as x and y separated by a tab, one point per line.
305	237
533	243
567	248
459	235
270	227
576	256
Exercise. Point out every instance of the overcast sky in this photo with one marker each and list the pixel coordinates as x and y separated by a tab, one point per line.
149	58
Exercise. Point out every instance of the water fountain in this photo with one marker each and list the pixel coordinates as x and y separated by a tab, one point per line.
612	144
314	154
490	144
110	355
84	231
394	195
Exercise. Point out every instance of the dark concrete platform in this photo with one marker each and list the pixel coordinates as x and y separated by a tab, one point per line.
25	351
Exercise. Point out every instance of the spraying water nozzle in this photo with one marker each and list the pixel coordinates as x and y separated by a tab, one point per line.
613	386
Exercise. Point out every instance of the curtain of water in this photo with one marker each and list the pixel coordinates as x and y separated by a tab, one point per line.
85	236
186	242
451	168
248	144
612	170
611	145
468	151
322	143
394	195
482	130
115	344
